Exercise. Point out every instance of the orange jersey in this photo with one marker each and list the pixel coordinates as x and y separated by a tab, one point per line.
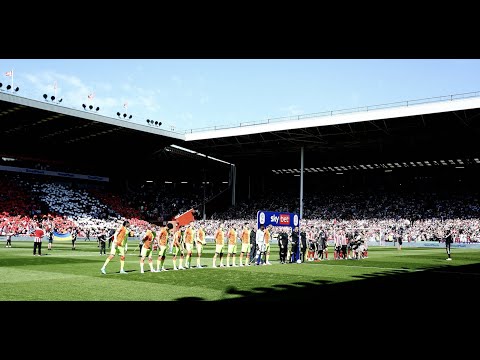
163	236
122	236
147	239
201	236
246	236
266	236
219	237
189	236
177	238
232	237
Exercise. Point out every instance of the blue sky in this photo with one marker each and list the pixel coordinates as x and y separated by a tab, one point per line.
191	94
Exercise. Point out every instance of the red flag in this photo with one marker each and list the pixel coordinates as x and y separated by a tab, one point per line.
185	218
91	96
9	73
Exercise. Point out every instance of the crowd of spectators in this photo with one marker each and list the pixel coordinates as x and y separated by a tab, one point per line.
386	216
379	216
14	200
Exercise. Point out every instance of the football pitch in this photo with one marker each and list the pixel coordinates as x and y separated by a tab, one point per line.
387	276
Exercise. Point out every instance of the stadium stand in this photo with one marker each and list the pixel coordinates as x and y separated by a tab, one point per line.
407	168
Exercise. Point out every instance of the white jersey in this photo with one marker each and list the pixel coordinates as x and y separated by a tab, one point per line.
259	237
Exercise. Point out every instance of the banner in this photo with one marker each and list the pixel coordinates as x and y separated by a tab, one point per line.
277	219
60	236
185	218
281	219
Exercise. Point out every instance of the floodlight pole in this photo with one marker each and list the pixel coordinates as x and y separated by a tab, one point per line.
301	183
204	191
233	177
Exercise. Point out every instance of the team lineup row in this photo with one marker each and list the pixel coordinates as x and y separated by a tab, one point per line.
255	247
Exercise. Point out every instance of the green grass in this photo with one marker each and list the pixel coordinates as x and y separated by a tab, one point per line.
412	274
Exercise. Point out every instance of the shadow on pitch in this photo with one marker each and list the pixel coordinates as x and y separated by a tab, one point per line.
446	284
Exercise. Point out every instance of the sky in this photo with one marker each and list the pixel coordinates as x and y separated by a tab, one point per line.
189	94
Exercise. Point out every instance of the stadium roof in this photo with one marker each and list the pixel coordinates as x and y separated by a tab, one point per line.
420	130
36	129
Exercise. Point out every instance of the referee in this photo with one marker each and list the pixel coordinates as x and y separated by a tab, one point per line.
283	244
